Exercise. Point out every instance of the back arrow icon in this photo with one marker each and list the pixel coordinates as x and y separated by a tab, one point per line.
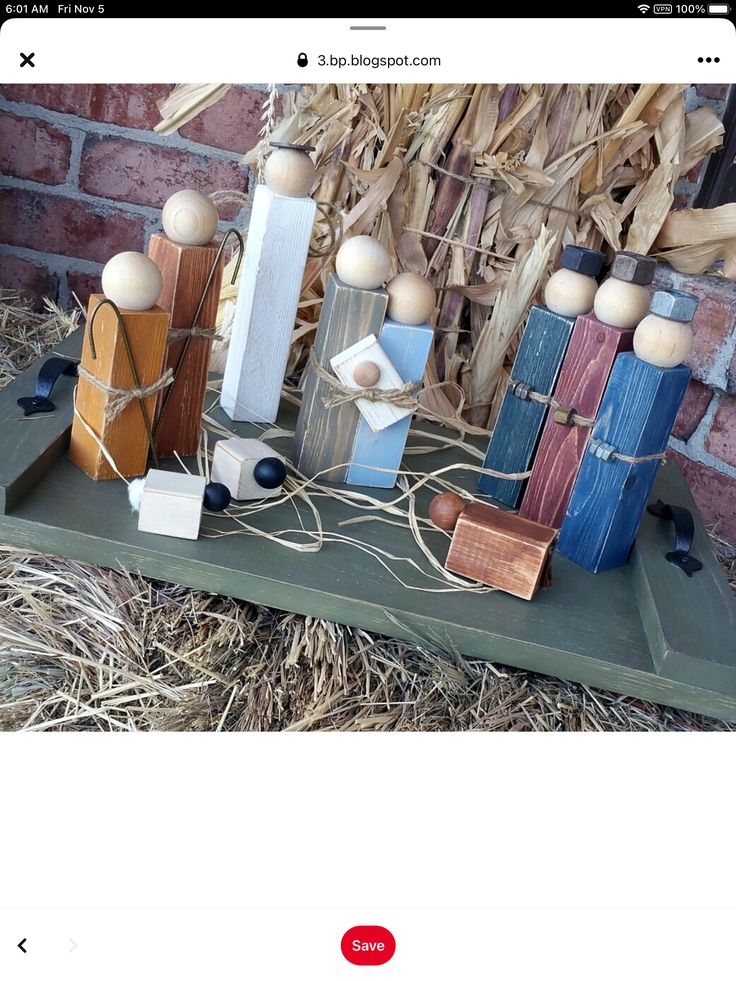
72	945
20	945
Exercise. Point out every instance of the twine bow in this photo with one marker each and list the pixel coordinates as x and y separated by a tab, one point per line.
402	398
121	398
179	333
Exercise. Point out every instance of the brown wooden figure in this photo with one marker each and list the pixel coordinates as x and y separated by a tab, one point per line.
191	271
494	547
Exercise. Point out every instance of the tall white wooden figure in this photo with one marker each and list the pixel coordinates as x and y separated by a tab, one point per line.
275	256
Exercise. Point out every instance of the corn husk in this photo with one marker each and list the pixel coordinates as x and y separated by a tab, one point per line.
479	187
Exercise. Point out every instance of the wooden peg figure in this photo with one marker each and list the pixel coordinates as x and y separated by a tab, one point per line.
191	265
492	546
352	310
121	371
275	256
630	435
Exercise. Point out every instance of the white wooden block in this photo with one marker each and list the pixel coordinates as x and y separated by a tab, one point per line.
233	463
171	504
378	415
265	312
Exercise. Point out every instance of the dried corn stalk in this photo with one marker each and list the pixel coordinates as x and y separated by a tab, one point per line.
480	186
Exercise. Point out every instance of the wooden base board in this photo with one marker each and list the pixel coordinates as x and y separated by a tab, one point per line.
623	630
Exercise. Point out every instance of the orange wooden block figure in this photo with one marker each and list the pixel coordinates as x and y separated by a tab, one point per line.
120	374
494	547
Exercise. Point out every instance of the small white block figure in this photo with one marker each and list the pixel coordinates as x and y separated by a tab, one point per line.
366	365
132	281
249	468
664	337
171	503
190	218
571	290
363	262
270	283
623	299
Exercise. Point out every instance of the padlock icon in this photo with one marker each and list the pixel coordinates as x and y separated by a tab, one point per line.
302	60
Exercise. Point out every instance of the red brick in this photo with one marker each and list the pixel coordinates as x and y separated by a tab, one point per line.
125	105
233	123
83	284
66	227
693	408
712	91
145	174
33	150
28	278
714	321
715	495
721	440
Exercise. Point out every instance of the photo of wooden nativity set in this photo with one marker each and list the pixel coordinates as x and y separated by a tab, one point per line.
562	493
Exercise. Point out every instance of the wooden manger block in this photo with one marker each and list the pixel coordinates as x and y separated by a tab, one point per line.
368	354
324	438
376	457
184	271
500	549
171	504
515	435
636	417
270	282
583	377
124	436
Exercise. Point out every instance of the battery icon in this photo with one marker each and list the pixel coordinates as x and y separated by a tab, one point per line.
719	8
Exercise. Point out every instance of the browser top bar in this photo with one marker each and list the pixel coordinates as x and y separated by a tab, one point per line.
387	50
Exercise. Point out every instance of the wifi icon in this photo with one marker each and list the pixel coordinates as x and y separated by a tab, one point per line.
643	8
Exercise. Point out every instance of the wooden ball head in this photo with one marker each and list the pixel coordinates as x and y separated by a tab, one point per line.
289	173
411	299
363	262
570	293
445	509
190	218
367	374
132	281
621	304
662	342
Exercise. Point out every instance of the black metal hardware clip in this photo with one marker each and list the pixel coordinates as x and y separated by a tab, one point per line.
684	534
47	377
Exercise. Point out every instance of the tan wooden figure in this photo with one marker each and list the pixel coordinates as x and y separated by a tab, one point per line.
494	547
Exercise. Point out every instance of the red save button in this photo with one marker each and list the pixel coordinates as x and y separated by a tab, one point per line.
368	945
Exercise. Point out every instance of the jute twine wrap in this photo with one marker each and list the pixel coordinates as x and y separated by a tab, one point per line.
402	398
577	420
179	333
120	398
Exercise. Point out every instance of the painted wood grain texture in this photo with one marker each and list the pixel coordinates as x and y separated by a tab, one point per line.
376	457
125	436
636	417
500	549
265	312
324	438
516	433
583	377
34	442
184	270
586	628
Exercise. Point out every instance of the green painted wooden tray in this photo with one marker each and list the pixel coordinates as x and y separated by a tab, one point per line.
645	630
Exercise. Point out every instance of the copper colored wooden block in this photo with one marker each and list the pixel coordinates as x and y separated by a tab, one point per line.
125	436
501	549
583	378
184	270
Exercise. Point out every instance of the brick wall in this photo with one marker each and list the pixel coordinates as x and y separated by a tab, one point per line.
83	175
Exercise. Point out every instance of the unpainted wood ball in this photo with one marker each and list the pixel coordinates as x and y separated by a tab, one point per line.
289	172
445	509
663	342
411	299
621	304
363	262
367	374
190	218
570	293
132	281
